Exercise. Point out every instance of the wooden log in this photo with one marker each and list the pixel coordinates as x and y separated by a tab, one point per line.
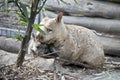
111	45
10	44
99	24
86	8
112	0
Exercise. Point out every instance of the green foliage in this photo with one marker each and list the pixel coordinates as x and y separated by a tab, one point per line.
41	7
75	1
24	9
37	27
3	3
22	17
18	36
7	11
22	13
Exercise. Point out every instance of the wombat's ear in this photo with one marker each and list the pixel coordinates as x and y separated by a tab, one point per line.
59	17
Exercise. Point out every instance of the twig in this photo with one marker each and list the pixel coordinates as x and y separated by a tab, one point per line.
16	2
41	6
113	63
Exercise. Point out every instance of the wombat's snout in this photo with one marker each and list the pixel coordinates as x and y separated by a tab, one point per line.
40	49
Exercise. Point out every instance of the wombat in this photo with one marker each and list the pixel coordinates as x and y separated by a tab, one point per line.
75	43
40	49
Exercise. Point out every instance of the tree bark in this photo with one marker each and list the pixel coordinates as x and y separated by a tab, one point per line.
86	8
24	44
109	26
27	36
34	11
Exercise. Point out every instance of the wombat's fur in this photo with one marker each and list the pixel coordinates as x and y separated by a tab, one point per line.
76	44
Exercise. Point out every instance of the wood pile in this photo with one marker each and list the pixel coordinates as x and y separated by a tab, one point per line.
102	16
9	44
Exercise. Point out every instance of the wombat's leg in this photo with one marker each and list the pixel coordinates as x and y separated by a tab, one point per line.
83	64
50	55
51	48
53	51
80	64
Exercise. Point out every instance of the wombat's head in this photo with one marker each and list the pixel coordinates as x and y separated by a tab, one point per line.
36	47
51	28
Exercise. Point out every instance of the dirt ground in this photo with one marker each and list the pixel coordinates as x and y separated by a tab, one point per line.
48	69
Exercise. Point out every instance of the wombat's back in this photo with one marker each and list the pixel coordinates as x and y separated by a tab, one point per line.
90	50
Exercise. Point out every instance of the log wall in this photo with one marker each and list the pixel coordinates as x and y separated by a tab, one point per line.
103	16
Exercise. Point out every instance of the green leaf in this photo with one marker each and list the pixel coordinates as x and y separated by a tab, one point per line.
18	36
5	11
75	1
22	17
41	24
37	27
3	3
24	9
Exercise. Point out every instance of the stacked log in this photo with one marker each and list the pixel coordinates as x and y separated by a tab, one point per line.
114	0
92	8
103	16
98	24
10	44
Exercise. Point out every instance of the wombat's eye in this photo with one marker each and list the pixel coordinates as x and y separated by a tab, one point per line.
49	30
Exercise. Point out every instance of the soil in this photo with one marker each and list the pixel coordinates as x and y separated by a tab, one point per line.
50	69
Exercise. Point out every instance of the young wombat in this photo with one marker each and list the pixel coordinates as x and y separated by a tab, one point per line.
40	49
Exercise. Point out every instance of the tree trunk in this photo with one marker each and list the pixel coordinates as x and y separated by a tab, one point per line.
86	8
24	44
27	36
